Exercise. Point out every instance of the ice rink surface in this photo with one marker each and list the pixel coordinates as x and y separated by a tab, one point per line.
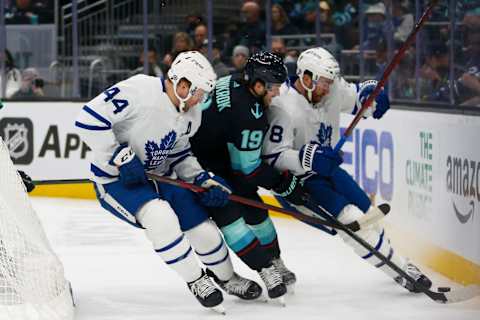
116	276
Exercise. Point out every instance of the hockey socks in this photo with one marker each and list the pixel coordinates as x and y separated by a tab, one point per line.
241	239
211	249
163	230
375	236
267	235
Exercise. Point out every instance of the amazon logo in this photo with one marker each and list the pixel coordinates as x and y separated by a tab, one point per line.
463	183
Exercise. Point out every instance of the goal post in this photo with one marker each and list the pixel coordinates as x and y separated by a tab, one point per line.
32	281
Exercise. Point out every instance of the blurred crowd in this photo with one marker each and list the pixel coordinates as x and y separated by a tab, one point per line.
292	20
384	26
28	11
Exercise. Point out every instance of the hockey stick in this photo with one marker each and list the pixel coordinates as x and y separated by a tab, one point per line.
386	74
314	221
66	181
311	220
448	296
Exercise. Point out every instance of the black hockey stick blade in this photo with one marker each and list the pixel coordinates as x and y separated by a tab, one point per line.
462	294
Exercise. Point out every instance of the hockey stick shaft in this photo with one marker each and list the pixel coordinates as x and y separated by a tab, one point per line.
386	74
66	181
313	221
242	200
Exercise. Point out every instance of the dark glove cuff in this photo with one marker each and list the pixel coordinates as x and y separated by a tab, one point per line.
287	184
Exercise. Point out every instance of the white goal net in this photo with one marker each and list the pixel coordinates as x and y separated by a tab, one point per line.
32	282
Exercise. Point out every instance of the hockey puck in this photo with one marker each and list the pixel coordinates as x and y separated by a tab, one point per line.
443	289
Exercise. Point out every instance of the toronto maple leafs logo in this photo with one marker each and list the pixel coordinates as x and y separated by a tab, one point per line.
157	154
324	135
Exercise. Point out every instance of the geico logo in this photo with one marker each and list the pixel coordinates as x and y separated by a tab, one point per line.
463	177
373	161
52	143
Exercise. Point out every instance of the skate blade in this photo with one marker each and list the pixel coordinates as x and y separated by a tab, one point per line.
280	300
260	299
291	289
219	309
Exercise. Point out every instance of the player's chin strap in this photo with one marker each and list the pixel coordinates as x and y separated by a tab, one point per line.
309	90
442	295
183	101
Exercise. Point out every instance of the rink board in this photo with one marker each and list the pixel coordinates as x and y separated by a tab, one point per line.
426	165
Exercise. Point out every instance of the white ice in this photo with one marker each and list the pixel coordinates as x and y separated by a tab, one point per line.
116	276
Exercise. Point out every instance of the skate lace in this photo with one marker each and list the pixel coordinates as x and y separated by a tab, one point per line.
271	277
413	271
203	287
237	285
280	266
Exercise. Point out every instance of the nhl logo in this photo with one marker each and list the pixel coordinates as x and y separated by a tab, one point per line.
15	136
18	136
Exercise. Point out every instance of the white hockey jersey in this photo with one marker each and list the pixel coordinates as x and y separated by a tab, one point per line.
294	122
138	112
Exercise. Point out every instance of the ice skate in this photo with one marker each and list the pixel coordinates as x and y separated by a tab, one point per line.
273	281
207	293
288	277
421	280
238	286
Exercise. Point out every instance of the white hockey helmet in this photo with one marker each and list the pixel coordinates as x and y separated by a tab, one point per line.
320	63
194	67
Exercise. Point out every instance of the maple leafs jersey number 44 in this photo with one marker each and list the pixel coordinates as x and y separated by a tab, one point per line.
119	104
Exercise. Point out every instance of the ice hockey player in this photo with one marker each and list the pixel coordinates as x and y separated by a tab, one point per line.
229	143
304	122
143	124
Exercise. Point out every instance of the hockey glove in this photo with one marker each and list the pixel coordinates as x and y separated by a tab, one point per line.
131	168
27	181
217	191
291	189
321	160
381	103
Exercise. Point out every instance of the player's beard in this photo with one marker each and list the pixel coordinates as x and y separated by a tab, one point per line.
318	97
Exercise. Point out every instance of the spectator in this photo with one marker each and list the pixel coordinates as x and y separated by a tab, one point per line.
192	21
239	58
280	23
309	17
374	30
279	47
291	62
469	81
218	66
152	59
13	76
434	74
200	34
345	22
230	37
167	62
181	43
403	20
252	35
326	17
309	21
32	85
